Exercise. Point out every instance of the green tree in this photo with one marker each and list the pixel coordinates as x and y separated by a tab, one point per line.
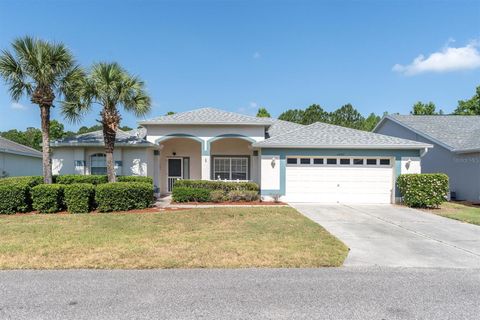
169	113
424	109
370	122
42	71
109	85
347	116
292	115
314	113
470	106
263	113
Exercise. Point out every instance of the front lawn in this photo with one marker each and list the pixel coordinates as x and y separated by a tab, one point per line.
460	211
198	238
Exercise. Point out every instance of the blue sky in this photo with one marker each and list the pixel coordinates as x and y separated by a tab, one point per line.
238	55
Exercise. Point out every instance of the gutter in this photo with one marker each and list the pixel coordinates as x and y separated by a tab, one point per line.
388	147
203	123
18	153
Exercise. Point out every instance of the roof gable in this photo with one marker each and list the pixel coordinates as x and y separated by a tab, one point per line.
209	116
454	132
323	135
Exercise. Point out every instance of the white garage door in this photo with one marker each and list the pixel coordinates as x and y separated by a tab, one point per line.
339	180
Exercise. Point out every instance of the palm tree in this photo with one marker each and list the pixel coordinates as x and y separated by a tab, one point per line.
109	85
42	71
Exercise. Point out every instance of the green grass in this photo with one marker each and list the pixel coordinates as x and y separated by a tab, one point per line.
459	211
199	238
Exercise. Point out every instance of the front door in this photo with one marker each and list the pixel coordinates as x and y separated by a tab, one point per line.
175	171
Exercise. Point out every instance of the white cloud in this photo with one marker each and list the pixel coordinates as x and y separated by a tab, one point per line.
18	106
447	60
256	55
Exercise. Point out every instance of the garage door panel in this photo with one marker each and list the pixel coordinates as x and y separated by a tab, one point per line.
339	184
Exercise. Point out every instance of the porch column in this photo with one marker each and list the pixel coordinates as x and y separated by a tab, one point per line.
205	161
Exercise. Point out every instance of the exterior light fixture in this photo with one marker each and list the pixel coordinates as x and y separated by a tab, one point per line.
273	163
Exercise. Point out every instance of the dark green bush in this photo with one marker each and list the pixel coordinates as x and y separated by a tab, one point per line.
182	194
15	193
79	197
217	185
122	196
13	197
423	190
79	178
135	179
48	198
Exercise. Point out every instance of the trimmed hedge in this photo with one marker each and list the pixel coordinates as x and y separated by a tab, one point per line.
15	193
242	195
423	190
123	196
135	179
79	197
48	198
78	178
183	194
216	185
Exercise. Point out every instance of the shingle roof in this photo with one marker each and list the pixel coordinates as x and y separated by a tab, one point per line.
206	116
280	127
456	133
134	137
17	148
322	135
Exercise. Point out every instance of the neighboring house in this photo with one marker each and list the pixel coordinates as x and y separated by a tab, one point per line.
315	163
456	151
18	160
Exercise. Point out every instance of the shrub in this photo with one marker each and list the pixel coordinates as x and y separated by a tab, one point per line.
79	197
242	195
79	178
217	185
48	198
122	196
135	179
217	195
423	190
13	198
182	194
15	194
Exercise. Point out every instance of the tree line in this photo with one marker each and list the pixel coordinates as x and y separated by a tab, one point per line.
348	116
32	137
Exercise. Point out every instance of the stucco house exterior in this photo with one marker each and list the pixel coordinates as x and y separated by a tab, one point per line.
314	163
456	149
19	160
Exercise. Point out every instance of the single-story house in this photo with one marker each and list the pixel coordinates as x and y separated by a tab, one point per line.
19	160
318	162
456	152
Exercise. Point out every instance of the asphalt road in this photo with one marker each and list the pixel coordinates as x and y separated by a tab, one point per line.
343	293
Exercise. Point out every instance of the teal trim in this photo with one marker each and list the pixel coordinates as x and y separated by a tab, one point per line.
205	151
284	153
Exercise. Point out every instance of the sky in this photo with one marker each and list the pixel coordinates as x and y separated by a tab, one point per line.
239	55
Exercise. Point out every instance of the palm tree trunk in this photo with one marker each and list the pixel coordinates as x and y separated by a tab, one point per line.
110	121
46	160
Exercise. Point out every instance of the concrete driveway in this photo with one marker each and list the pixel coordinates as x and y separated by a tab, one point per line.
388	235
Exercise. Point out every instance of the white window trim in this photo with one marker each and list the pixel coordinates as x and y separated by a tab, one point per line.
325	164
230	167
91	162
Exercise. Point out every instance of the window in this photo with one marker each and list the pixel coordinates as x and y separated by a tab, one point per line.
291	160
225	168
331	161
371	162
305	161
98	163
384	162
358	162
317	161
345	161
